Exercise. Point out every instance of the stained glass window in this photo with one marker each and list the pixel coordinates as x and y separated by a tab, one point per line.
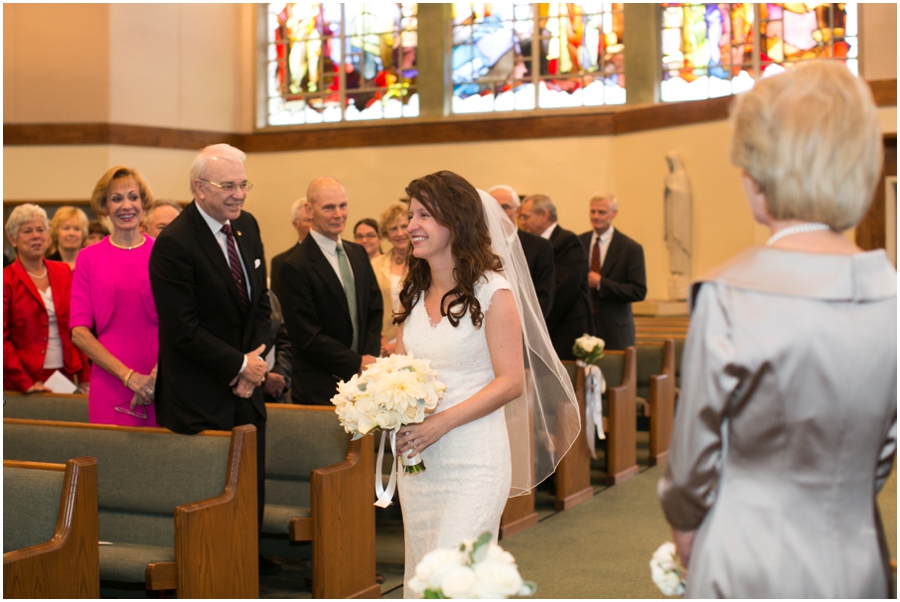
331	61
711	50
577	59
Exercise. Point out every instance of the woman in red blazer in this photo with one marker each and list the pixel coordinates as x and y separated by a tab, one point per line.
36	292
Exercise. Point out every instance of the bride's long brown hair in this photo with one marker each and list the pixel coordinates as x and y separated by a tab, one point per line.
454	204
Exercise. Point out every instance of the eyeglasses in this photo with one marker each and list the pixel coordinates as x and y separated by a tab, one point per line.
138	412
245	186
370	235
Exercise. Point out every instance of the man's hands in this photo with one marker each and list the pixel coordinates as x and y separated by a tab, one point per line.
594	280
253	375
274	385
366	360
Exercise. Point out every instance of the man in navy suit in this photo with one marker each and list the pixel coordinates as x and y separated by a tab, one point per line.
570	315
208	275
330	299
617	277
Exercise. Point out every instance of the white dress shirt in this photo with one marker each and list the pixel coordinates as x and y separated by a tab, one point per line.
546	233
328	247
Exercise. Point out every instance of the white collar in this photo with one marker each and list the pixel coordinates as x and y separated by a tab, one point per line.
549	231
214	224
327	245
606	236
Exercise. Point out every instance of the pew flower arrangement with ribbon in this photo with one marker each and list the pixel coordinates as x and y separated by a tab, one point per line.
666	571
589	349
392	392
476	569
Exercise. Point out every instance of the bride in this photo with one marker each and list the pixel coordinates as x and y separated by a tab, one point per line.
468	305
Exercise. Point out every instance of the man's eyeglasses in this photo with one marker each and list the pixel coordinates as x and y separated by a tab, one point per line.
245	186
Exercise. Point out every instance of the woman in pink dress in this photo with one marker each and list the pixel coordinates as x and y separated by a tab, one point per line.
113	315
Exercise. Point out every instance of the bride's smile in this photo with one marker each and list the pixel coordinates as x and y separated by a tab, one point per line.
429	238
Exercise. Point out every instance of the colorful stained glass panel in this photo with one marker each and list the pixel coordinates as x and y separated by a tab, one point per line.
334	61
575	60
714	50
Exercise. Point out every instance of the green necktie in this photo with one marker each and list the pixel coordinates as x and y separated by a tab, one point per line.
349	290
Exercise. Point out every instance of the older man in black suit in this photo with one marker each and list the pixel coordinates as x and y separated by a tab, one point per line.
570	316
330	299
538	252
617	278
207	271
301	220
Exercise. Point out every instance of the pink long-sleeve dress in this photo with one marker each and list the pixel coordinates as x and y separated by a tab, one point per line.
111	294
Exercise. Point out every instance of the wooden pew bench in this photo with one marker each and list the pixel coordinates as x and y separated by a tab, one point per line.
46	406
50	547
573	475
656	394
179	510
320	488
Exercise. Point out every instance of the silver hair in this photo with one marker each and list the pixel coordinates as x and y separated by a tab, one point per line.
609	197
543	203
23	214
295	208
512	193
221	151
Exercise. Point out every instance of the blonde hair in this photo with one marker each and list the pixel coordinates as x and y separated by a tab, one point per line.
810	139
101	190
64	214
391	214
21	215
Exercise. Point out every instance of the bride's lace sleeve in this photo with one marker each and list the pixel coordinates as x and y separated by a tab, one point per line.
485	289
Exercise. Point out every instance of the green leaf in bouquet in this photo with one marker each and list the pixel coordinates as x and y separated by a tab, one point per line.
362	387
530	586
431	594
480	549
406	369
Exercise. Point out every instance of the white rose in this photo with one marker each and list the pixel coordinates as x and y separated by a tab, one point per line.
387	420
459	582
366	424
417	585
499	579
435	565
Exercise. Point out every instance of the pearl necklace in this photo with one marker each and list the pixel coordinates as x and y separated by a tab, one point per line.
143	240
799	228
36	276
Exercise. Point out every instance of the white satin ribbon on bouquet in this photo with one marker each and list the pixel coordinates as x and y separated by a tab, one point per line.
594	387
386	495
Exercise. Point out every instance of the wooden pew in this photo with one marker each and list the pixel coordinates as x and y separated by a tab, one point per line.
656	394
619	424
50	543
179	510
320	488
46	406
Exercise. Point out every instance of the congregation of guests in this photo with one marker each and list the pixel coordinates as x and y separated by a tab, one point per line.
767	373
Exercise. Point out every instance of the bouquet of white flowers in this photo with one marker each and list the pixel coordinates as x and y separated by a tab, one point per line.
390	393
588	348
477	569
666	571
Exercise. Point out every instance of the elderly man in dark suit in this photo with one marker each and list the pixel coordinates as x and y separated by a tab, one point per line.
570	316
538	252
330	299
301	220
207	272
617	278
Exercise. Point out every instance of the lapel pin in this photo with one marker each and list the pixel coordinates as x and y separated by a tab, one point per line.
238	232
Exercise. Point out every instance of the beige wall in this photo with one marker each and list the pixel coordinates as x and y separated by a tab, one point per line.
192	67
165	65
56	63
878	41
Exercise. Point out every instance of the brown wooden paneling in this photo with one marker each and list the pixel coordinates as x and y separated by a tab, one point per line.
871	231
604	122
884	91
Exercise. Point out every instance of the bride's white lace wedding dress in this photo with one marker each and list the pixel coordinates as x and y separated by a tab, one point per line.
464	489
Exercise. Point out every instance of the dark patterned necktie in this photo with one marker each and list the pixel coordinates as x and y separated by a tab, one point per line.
595	256
234	262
